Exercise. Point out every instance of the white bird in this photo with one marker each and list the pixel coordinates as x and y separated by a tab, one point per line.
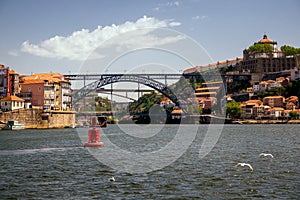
112	179
266	154
245	164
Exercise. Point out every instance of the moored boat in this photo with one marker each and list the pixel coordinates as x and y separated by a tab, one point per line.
13	125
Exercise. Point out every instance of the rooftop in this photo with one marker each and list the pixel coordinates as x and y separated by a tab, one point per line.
39	78
12	98
266	40
274	97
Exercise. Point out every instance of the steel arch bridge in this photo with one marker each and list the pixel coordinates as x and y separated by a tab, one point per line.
114	78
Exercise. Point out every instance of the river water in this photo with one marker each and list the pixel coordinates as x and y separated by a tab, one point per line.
52	164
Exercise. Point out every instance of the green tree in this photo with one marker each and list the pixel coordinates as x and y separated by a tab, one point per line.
260	48
200	109
191	109
289	50
233	109
292	89
293	115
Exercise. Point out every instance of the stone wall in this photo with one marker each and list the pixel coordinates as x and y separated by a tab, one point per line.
37	118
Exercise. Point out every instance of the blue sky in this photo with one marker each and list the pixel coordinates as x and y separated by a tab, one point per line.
43	36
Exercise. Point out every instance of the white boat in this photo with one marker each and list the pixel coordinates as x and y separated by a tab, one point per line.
13	125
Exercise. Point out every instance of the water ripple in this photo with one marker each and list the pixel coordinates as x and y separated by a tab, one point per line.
53	165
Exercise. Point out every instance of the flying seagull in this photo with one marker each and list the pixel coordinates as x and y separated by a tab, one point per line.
245	164
112	179
266	154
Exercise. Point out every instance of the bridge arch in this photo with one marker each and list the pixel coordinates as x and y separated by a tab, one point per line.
110	79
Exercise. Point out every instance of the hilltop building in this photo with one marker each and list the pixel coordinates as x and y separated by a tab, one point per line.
49	91
262	64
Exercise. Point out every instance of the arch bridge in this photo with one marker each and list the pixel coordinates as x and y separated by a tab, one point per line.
149	80
106	79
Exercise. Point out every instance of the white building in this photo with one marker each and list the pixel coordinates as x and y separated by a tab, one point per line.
276	112
11	103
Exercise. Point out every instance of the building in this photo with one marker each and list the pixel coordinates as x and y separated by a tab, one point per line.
206	103
259	111
9	82
49	91
176	114
34	89
275	113
219	64
274	101
11	103
266	85
252	109
166	102
259	64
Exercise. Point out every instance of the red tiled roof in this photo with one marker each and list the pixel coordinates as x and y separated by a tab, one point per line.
33	82
179	111
274	97
51	77
12	98
277	108
254	101
266	40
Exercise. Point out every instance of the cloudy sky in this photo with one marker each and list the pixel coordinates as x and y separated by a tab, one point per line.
61	35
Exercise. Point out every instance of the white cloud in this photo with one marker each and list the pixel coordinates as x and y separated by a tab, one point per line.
156	9
197	17
80	44
13	53
176	3
172	3
174	24
166	5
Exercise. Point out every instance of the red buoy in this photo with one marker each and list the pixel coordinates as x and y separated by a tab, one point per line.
94	136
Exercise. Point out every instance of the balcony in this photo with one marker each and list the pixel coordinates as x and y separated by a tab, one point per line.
27	96
49	96
67	94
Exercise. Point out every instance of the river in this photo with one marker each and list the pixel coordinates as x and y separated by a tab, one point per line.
52	164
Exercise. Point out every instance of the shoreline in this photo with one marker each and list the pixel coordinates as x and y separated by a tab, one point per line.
268	121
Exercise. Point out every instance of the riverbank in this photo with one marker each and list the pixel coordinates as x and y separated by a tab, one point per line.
251	121
34	118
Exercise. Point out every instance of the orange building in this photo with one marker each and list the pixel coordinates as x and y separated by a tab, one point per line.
49	91
252	109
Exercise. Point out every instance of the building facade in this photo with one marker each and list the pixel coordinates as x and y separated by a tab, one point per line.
11	103
9	82
47	91
274	101
259	64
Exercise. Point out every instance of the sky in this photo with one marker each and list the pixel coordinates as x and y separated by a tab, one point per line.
67	36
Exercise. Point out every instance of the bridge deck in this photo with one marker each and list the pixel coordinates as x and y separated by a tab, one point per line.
169	76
